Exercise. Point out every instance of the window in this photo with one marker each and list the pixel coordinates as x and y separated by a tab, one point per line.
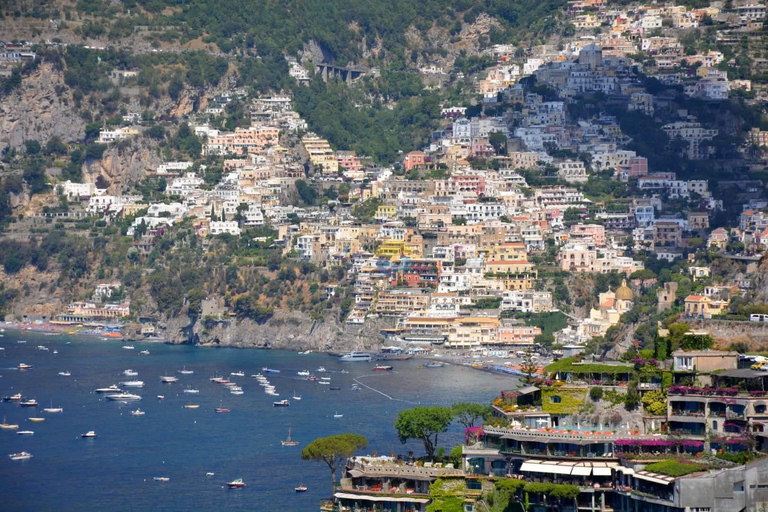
738	486
760	409
555	399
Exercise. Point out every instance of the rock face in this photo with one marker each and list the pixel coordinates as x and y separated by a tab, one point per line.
288	330
724	332
123	163
36	111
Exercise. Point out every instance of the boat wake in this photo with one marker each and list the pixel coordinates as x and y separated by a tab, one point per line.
356	380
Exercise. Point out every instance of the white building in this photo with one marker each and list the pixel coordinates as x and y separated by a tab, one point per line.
221	227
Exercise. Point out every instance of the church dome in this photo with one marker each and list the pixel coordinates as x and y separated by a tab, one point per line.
624	292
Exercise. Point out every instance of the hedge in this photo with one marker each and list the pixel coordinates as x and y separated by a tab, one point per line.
674	468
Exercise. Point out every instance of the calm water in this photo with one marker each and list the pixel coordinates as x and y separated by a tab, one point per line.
116	470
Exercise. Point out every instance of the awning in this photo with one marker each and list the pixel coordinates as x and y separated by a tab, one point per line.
530	466
365	497
581	470
626	471
650	478
601	471
556	469
355	473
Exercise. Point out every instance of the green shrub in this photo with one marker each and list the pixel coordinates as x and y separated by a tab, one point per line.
674	468
596	393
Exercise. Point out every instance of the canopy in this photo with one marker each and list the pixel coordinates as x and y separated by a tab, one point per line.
601	471
652	477
581	470
364	497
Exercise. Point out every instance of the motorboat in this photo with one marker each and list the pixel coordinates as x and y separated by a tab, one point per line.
111	389
21	341
54	409
26	432
133	383
161	397
304	373
65	374
42	348
220	380
272	392
55	351
321	370
355	387
236	483
7	426
335	388
37	420
210	473
191	406
161	479
288	441
257	376
137	412
168	379
130	373
24	366
353	357
312	378
90	434
123	397
20	456
382	368
192	391
13	398
325	382
300	488
238	374
305	352
230	385
29	403
184	371
270	370
236	392
222	410
128	347
337	415
144	353
282	403
434	364
325	378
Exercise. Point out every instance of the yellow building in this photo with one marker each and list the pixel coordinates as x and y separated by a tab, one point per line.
510	251
470	332
402	301
386	212
320	153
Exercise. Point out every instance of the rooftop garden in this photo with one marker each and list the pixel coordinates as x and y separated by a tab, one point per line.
708	391
560	400
675	468
572	365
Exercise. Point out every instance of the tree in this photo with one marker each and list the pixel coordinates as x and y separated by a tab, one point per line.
467	413
529	367
424	423
655	402
333	450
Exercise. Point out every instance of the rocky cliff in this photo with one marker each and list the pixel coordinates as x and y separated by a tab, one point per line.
40	109
288	330
123	163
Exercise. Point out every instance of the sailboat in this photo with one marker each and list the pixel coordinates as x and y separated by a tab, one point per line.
337	415
295	397
288	441
222	409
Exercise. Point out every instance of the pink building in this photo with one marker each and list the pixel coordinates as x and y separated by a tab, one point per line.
414	159
638	166
577	258
594	231
349	161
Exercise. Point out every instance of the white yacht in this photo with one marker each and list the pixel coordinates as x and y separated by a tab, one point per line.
111	389
305	373
192	391
20	456
25	432
238	374
144	353
133	383
353	357
184	371
130	373
168	379
137	412
123	397
65	374
128	347
90	433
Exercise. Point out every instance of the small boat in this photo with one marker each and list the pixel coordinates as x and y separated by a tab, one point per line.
65	374
168	379
305	352
301	488
220	380
25	432
434	364
161	397
257	376
356	357
304	373
222	410
29	403
20	456
192	391
324	382
130	373
123	397
238	374
382	368
55	351
335	388
355	387
133	384
144	353
7	426
21	341
111	389
42	348
37	420
294	397
325	378
321	370
236	484
236	392
137	412
344	371
161	479
272	392
24	366
282	403
13	398
209	474
184	371
265	369
89	434
230	385
191	406
312	378
54	409
128	347
288	441
337	415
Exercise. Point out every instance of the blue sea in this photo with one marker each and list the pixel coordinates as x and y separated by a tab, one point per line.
116	470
